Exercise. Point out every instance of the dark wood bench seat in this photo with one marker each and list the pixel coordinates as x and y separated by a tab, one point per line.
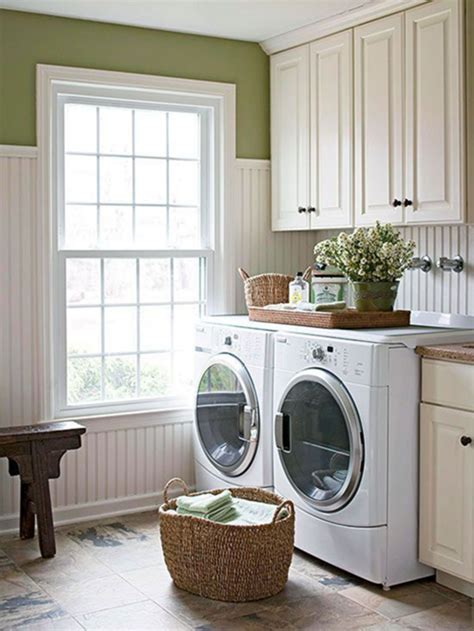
34	453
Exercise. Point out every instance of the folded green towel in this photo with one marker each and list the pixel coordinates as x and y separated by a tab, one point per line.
252	513
226	509
204	503
221	515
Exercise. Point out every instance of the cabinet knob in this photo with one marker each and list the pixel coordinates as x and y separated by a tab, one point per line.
311	209
466	440
301	209
407	202
396	202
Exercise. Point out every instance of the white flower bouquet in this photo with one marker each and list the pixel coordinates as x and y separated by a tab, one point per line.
369	256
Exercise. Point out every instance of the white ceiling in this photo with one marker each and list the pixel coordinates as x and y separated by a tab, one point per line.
254	20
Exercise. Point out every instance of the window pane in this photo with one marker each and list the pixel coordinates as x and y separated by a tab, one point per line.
184	228
116	226
80	179
116	180
155	280
184	184
155	328
83	281
150	227
155	375
83	331
80	226
120	281
115	133
185	317
183	373
84	379
80	128
120	377
186	280
150	181
183	135
120	325
150	133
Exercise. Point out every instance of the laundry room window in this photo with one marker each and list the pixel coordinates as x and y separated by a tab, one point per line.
133	246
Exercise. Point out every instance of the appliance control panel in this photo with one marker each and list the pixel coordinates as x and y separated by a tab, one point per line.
251	346
357	362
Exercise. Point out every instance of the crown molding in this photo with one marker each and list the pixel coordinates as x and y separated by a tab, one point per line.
329	26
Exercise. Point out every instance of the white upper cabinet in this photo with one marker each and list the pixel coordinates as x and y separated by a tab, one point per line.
378	98
290	139
369	124
331	132
434	168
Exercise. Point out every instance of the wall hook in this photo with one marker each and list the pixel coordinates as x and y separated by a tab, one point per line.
423	263
451	265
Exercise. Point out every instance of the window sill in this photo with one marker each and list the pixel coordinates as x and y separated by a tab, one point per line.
137	418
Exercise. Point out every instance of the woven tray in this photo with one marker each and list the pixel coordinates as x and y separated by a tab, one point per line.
346	319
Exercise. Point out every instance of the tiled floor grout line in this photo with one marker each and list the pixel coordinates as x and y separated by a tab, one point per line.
179	619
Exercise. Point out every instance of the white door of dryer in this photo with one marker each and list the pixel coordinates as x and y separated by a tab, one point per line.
227	416
318	435
330	440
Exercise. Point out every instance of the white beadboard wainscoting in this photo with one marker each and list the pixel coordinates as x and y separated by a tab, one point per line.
125	460
436	290
122	467
258	249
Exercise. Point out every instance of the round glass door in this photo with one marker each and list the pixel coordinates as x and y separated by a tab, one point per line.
227	417
318	436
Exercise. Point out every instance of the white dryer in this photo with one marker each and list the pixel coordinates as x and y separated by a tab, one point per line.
346	446
233	406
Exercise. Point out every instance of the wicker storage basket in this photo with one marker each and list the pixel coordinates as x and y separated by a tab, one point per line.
265	289
225	562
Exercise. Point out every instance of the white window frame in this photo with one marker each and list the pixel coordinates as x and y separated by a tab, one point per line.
56	82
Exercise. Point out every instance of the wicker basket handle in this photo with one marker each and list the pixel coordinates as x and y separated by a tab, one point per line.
285	504
243	274
183	485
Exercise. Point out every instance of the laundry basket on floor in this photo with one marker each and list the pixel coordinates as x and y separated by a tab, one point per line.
228	562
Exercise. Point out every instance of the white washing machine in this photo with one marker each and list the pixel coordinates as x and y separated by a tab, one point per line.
233	413
346	445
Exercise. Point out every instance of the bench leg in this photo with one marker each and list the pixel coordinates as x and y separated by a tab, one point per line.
27	516
42	500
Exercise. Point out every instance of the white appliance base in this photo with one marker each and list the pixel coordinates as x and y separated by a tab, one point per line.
360	551
206	480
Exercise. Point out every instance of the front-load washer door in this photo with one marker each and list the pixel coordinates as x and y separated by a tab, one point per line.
227	414
319	439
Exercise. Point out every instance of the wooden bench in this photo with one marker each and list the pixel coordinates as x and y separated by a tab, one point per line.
33	453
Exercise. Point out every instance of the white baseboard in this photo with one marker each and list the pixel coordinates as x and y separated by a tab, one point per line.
63	515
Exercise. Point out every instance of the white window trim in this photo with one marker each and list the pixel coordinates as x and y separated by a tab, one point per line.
221	97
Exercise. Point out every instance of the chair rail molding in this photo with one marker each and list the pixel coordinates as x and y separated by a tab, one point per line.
366	12
18	151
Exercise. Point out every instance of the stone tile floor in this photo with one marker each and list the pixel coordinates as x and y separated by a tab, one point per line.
111	575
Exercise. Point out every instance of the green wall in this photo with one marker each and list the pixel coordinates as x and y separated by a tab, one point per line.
27	39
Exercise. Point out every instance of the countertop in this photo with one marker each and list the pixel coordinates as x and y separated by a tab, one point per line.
463	352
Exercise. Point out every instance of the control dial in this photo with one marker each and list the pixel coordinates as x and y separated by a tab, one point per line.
318	353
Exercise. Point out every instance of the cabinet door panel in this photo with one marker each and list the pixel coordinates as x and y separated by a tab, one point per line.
447	487
433	113
290	138
378	121
331	131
